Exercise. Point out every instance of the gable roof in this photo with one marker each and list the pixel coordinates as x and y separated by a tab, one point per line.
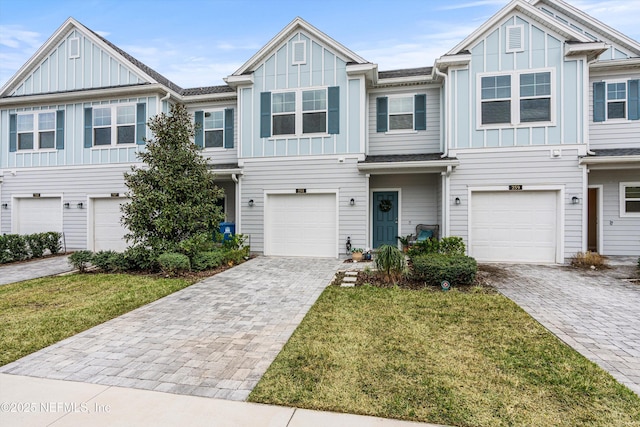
528	10
298	24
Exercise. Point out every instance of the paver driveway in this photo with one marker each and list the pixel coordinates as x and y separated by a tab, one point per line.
595	312
215	338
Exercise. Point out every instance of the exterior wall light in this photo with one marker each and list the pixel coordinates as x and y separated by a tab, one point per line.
5	206
575	200
457	200
80	205
352	201
250	202
66	205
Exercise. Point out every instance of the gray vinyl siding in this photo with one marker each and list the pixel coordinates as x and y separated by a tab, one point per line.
74	184
219	156
325	174
411	142
621	234
419	198
533	168
617	133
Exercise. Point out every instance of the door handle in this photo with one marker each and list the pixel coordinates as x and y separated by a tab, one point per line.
396	220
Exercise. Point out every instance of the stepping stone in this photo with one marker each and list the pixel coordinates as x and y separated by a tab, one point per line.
351	273
347	285
349	279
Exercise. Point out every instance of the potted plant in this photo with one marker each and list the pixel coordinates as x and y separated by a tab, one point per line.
356	254
404	241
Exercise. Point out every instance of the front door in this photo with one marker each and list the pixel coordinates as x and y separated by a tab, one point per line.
385	218
592	220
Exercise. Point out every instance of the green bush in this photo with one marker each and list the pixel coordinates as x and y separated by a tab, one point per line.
36	243
52	242
173	263
236	256
110	261
429	246
452	246
17	247
141	258
434	268
80	260
390	259
207	260
5	256
234	242
201	242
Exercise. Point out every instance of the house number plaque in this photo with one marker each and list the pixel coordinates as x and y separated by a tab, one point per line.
301	190
515	187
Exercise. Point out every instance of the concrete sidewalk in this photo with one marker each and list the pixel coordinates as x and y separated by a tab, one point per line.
34	269
28	401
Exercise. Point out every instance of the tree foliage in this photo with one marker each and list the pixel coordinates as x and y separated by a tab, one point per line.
173	195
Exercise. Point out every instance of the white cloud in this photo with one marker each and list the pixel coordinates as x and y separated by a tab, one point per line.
478	3
14	37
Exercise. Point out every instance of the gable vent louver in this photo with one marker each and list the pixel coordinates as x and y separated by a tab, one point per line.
515	38
299	53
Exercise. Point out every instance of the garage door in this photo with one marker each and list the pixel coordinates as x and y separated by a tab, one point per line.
38	215
301	225
514	227
108	233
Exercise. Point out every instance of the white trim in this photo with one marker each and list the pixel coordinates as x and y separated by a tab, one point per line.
36	130
560	221
623	199
581	149
336	157
370	211
73	40
600	213
520	45
114	125
295	47
15	206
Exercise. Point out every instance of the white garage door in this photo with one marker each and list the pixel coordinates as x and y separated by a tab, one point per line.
514	227
301	225
38	215
108	233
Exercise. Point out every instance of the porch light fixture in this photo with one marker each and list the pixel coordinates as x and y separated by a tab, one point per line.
457	200
575	200
352	201
5	206
66	205
80	205
250	202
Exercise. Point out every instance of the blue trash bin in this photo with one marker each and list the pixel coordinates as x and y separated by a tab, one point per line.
227	229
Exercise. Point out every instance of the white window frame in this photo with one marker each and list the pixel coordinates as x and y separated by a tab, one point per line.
304	52
412	112
515	99
36	130
623	199
509	30
299	112
114	125
608	101
205	130
72	41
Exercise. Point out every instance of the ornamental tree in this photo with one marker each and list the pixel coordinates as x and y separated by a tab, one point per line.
173	195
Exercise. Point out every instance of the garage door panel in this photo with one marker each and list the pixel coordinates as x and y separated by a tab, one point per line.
507	226
108	232
39	215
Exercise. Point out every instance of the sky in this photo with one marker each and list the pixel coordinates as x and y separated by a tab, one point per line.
199	42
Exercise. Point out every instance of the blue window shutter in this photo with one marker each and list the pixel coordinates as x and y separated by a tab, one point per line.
420	110
228	128
633	99
199	139
599	101
265	114
381	115
13	132
334	109
60	130
88	127
141	122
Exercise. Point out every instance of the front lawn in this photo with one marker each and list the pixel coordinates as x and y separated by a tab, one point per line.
37	313
461	359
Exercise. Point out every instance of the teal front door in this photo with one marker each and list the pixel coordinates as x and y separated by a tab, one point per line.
385	218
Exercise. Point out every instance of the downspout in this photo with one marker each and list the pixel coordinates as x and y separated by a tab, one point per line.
445	175
446	111
235	179
165	98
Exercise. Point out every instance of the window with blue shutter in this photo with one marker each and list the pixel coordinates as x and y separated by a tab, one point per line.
381	114
334	109
13	132
228	128
141	123
265	114
88	127
599	101
633	98
199	137
60	130
420	109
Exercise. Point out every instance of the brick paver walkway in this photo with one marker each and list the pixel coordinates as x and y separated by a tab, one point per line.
215	338
33	269
595	312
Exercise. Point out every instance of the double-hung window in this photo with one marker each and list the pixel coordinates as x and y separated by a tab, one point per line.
630	199
516	98
314	111
284	113
213	129
616	100
401	113
114	125
36	131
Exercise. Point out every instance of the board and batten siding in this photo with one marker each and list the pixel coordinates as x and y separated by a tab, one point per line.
617	133
405	142
74	153
260	177
527	168
543	51
322	69
419	198
94	67
621	234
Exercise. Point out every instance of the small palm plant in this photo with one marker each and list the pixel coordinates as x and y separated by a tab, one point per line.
390	260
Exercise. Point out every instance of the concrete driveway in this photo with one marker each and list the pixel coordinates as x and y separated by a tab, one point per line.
595	312
214	339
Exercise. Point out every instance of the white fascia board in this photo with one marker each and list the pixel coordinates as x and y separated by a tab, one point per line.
446	61
610	160
408	167
223	96
615	64
235	81
226	172
592	49
85	94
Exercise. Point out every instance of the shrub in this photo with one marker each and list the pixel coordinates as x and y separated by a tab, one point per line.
110	261
424	247
5	256
201	242
235	256
36	243
390	259
52	242
173	263
434	268
588	260
207	260
638	262
17	247
452	246
140	258
234	242
80	260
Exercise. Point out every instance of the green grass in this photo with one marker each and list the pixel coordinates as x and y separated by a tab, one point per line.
38	313
462	359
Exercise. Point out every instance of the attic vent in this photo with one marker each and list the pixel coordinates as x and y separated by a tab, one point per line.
515	38
299	53
74	48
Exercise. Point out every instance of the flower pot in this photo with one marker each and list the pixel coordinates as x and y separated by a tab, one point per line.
356	256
